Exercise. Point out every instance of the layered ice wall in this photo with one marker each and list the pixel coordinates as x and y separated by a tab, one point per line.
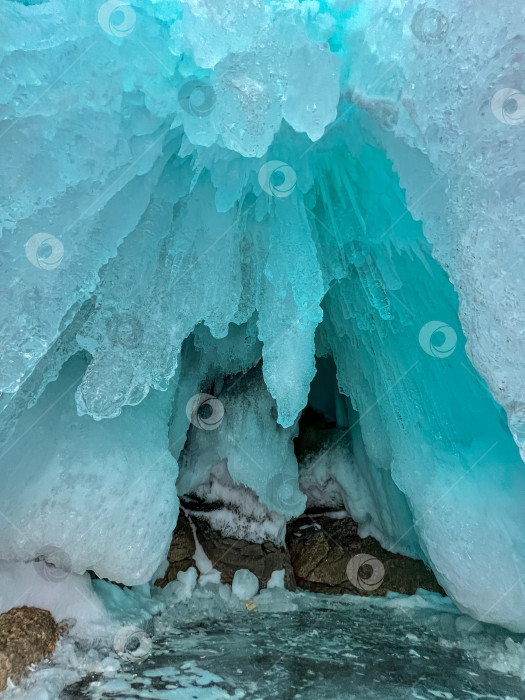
189	188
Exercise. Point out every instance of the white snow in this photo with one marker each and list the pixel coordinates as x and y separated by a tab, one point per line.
276	579
207	574
245	584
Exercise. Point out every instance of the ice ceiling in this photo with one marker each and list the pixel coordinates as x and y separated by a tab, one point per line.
189	188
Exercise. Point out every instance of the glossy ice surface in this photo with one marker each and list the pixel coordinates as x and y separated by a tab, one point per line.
333	653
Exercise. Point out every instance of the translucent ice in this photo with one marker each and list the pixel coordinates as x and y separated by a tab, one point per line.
81	494
259	452
204	199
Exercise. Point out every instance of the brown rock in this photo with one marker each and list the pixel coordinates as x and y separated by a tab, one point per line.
27	635
320	551
227	554
182	549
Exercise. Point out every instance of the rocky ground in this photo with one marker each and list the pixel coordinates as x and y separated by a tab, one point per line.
328	556
227	554
323	555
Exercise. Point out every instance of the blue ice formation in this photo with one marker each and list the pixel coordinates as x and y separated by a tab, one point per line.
189	188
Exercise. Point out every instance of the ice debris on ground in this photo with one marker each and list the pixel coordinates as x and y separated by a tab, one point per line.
276	579
192	617
245	585
188	188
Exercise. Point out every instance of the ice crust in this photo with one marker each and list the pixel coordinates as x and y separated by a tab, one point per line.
79	492
189	188
193	617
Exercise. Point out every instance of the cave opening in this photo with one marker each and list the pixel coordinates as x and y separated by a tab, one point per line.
261	380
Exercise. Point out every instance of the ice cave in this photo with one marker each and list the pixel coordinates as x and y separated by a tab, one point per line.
262	349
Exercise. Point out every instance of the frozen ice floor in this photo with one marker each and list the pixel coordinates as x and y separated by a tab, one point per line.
340	651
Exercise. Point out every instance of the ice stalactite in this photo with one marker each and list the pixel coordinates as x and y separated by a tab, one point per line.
210	202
